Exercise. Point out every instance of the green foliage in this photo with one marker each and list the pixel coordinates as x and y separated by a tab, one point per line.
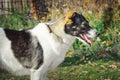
96	62
104	46
15	21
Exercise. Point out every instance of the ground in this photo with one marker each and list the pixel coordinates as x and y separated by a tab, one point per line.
96	70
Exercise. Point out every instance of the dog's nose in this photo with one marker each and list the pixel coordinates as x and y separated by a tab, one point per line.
97	33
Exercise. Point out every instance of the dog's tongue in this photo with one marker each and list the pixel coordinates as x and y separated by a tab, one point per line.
87	39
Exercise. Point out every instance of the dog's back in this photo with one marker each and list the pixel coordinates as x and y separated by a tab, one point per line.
2	36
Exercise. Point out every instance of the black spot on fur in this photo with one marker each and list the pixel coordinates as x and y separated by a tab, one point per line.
26	48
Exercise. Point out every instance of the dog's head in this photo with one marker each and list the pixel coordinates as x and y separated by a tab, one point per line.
76	25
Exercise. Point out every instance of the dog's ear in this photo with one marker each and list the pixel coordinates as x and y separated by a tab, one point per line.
69	16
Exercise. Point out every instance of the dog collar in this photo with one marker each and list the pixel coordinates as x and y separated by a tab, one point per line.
50	30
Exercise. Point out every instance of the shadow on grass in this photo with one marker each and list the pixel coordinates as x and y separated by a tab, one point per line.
77	60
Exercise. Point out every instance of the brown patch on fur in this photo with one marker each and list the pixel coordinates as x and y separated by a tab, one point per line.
68	16
33	11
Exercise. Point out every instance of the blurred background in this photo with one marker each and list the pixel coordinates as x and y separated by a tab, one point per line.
100	61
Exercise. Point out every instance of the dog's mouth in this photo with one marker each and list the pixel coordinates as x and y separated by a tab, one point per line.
85	38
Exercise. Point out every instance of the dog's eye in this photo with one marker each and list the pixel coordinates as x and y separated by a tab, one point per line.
74	27
67	27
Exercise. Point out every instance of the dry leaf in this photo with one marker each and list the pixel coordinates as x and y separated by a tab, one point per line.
113	66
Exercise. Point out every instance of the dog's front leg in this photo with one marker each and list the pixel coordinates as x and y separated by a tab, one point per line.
39	74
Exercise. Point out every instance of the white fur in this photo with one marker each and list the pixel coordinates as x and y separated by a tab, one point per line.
54	49
92	33
55	45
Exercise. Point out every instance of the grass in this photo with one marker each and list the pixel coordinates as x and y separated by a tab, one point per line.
99	61
14	21
97	70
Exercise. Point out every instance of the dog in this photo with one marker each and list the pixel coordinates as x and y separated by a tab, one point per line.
37	50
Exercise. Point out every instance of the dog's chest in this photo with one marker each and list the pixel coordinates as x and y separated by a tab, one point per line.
54	48
58	59
54	53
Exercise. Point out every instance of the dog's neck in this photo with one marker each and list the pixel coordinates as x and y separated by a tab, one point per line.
58	30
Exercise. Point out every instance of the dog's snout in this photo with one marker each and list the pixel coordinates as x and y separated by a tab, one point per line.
97	33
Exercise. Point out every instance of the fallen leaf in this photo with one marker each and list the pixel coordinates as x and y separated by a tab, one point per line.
113	66
101	53
104	67
69	54
92	64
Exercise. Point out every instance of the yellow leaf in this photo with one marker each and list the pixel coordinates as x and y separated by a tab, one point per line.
104	67
92	64
69	54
